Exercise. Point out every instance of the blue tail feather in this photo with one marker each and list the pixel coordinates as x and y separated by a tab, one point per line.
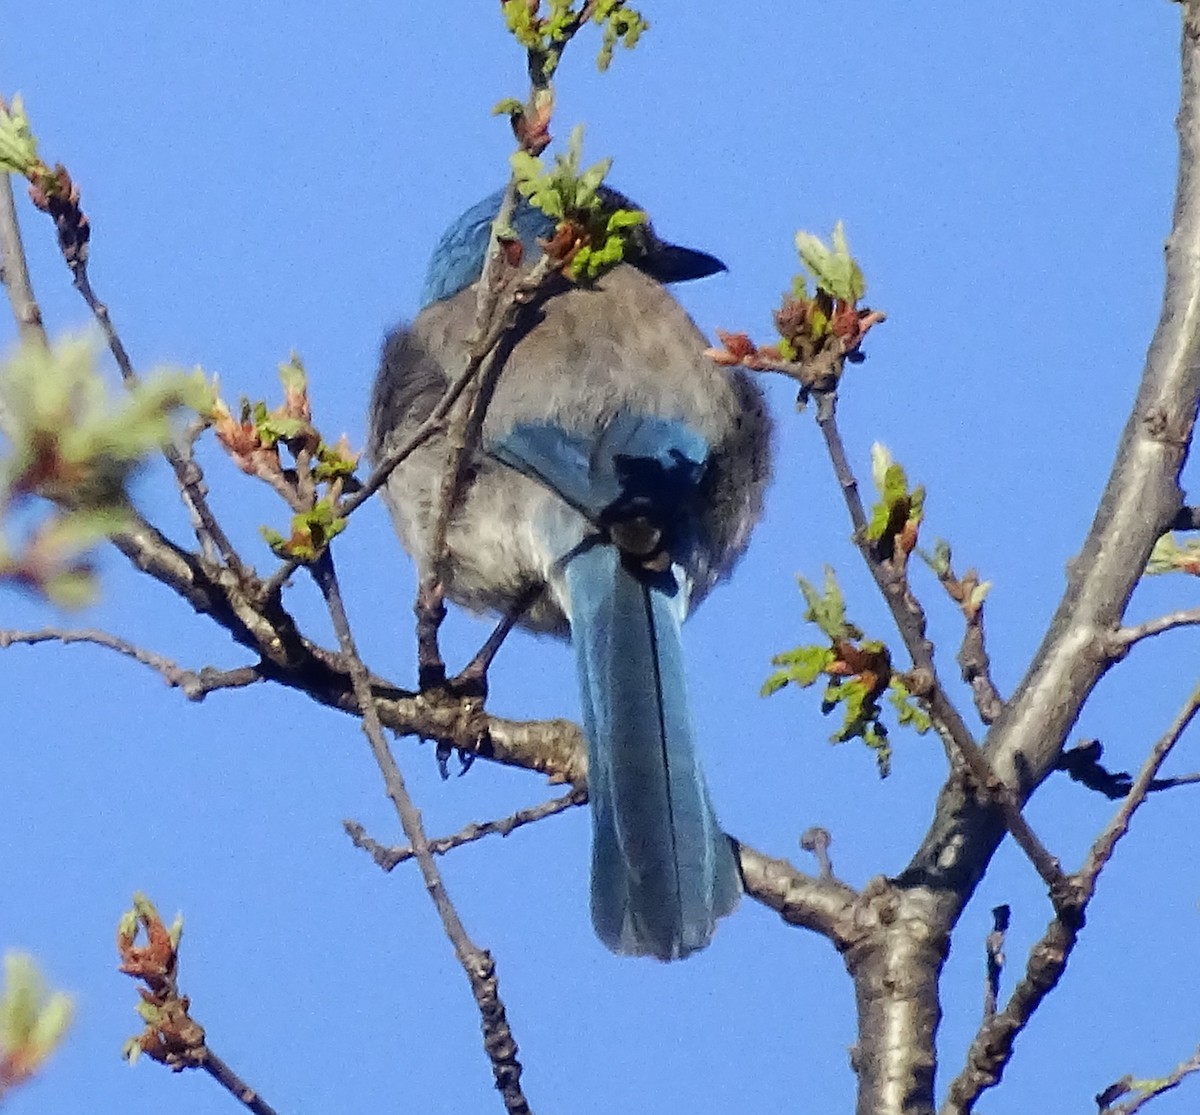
662	870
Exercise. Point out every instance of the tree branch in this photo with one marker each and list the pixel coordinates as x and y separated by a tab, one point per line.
910	621
196	684
1141	500
992	1048
1126	637
390	858
223	1074
824	905
14	270
498	1041
209	533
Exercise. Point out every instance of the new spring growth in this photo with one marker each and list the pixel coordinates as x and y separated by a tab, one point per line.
33	1021
1168	556
819	329
544	35
53	191
67	440
590	236
311	479
149	952
896	516
857	671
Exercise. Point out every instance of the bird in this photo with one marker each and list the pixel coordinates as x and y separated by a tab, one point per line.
618	477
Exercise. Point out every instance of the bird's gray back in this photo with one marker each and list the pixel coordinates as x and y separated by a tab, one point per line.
622	344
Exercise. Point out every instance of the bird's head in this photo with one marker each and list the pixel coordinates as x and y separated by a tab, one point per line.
457	260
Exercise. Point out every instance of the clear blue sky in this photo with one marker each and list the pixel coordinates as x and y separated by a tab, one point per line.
264	177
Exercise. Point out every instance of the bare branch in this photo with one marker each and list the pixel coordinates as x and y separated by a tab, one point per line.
478	965
976	667
389	858
14	270
826	906
196	684
972	657
209	533
223	1074
1102	850
1143	495
465	427
992	1047
1126	637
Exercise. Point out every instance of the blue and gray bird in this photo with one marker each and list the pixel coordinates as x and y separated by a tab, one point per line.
620	473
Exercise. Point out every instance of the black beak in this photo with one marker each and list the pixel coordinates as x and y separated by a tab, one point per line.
669	263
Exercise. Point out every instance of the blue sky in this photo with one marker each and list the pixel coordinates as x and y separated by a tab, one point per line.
261	180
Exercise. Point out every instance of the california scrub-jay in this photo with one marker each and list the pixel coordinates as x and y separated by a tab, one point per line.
620	472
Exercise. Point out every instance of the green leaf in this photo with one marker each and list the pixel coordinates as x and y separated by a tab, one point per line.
832	268
293	375
69	438
522	23
802	667
1168	556
335	461
908	713
860	719
898	505
312	531
18	148
276	428
828	609
939	558
33	1020
621	24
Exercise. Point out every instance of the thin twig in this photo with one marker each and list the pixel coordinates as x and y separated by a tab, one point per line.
1125	637
14	270
910	621
196	684
972	657
498	1041
220	1071
992	1046
390	858
463	431
188	474
1146	1089
1102	850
